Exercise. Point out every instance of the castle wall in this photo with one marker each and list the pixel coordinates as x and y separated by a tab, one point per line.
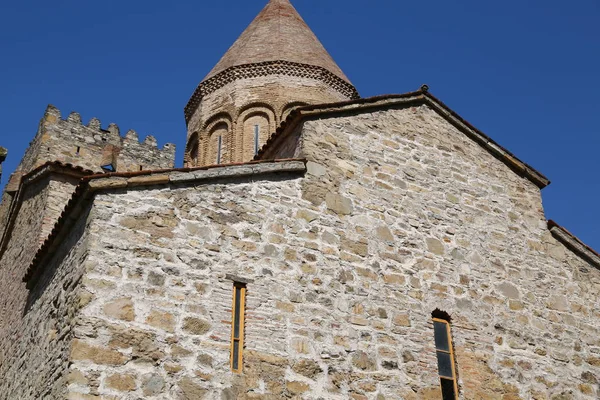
92	147
399	214
3	154
35	325
5	204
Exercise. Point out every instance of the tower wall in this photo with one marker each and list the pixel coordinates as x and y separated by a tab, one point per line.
3	154
267	99
62	152
36	328
92	147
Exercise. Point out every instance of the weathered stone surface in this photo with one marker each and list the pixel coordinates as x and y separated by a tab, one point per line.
99	355
296	387
121	382
162	320
307	368
152	385
120	309
339	204
435	246
509	290
196	326
190	390
363	361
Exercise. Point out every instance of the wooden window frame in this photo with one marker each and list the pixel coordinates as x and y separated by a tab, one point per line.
238	314
451	353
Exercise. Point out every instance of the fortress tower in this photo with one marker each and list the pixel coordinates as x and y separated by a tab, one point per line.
64	150
3	154
275	65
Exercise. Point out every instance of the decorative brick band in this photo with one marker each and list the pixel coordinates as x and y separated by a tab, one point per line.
267	68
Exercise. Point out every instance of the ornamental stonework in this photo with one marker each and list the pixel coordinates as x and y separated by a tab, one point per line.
284	68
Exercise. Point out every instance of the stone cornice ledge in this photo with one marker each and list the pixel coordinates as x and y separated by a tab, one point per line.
177	176
574	244
88	187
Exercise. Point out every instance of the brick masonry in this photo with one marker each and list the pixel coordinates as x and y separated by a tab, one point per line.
398	214
275	65
270	97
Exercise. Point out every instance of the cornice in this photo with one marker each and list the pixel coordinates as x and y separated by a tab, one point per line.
286	68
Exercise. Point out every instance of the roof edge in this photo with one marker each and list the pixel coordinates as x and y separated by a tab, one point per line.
574	244
422	96
50	167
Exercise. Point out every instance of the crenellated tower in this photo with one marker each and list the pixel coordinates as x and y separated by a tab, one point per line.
275	65
62	151
69	141
3	154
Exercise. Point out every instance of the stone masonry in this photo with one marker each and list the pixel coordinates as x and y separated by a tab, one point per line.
398	214
356	221
92	147
32	203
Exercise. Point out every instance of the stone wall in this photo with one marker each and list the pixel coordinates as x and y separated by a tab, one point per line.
35	326
399	214
468	236
92	147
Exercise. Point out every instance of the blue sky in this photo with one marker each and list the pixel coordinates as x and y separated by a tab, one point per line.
524	72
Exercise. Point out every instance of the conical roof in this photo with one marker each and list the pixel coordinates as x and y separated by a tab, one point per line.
278	33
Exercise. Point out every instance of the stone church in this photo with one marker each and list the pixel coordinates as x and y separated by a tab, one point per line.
314	245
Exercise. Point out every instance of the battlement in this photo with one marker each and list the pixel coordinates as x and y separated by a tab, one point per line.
91	146
3	154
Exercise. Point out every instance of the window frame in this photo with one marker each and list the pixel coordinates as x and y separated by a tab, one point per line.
256	138
450	352
219	149
239	315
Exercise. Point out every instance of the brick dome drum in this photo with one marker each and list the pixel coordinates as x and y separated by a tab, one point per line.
275	65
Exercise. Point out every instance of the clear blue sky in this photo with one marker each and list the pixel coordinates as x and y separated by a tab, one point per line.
527	73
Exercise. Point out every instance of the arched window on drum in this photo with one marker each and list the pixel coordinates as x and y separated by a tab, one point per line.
256	134
193	151
217	148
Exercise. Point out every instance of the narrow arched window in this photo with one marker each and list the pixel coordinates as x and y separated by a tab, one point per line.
237	326
193	151
194	154
256	134
219	149
256	138
445	355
